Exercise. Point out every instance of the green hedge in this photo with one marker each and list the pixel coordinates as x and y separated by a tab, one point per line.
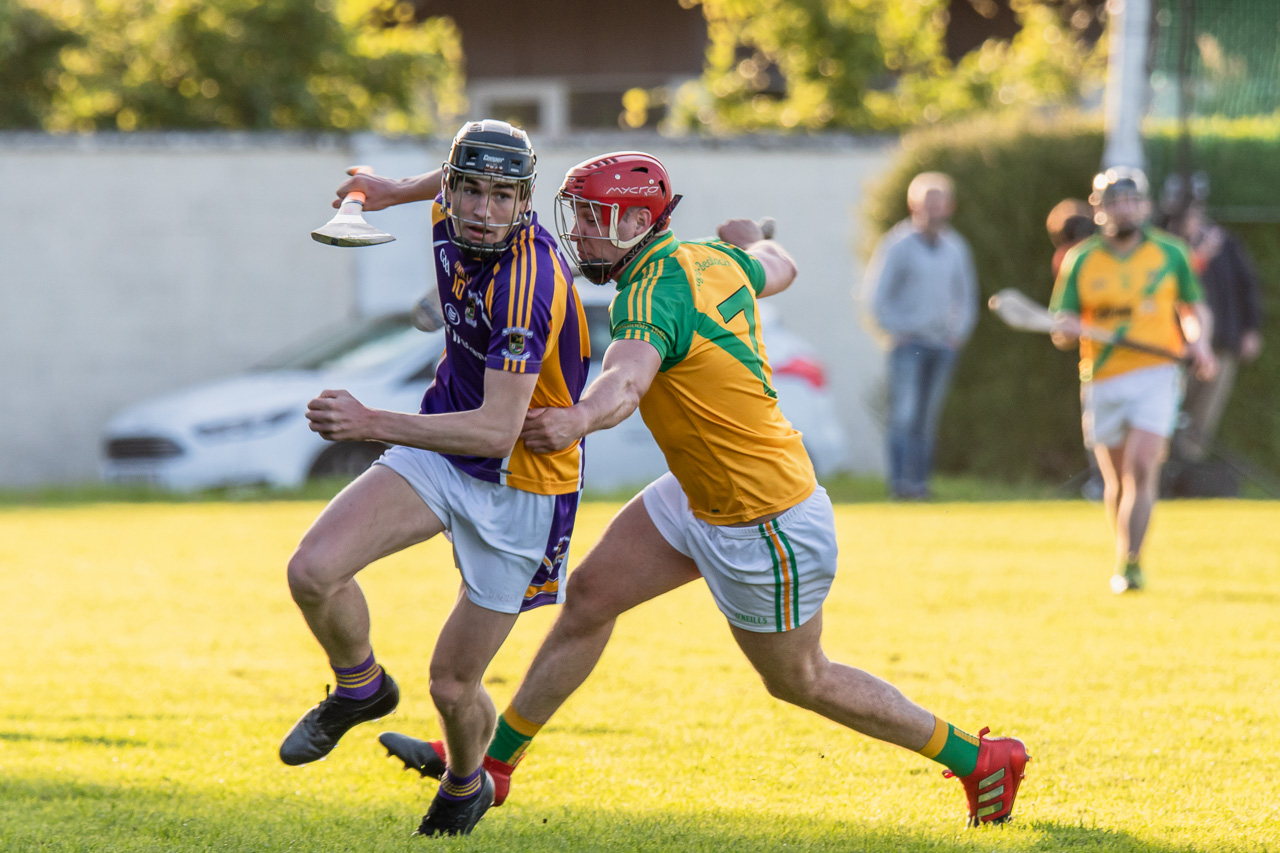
1014	411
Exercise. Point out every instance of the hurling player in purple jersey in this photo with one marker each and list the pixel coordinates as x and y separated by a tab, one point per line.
516	338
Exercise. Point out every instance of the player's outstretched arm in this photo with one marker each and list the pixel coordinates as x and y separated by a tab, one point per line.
629	368
779	266
382	192
490	431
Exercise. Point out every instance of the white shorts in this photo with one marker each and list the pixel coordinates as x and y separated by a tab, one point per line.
510	546
1147	399
768	577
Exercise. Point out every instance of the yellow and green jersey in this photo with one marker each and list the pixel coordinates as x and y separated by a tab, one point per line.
1135	295
711	408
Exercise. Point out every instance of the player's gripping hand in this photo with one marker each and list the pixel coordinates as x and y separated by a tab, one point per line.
1066	330
379	192
338	416
740	232
547	430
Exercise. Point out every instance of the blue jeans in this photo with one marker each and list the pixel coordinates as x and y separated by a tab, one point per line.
919	377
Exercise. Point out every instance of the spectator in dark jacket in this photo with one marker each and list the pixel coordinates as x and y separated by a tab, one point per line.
1231	288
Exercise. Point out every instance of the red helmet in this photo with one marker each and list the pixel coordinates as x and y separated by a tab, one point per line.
609	186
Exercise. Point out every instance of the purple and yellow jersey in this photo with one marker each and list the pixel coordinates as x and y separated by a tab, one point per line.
518	313
1135	295
711	407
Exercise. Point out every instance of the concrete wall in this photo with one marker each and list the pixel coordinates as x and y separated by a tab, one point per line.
134	265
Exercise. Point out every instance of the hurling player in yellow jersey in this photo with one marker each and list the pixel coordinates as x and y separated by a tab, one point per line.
741	508
1136	282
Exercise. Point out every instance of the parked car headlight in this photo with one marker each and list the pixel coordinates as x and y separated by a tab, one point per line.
241	429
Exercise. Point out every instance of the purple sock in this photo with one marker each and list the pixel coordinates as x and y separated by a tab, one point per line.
359	682
454	787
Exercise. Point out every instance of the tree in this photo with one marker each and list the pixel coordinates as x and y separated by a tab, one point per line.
875	64
242	64
30	43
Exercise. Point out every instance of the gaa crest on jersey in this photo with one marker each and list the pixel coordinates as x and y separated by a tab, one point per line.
516	343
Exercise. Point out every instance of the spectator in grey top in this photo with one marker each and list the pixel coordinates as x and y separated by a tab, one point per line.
923	294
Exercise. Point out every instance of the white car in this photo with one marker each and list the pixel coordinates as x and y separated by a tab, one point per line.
252	429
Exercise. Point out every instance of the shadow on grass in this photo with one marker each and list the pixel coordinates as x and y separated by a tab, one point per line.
1055	837
843	488
56	815
1227	596
82	740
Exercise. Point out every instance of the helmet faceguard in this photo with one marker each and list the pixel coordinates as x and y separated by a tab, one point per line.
598	194
1110	186
485	155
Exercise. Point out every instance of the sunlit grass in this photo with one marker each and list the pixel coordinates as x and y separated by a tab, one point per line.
847	488
156	660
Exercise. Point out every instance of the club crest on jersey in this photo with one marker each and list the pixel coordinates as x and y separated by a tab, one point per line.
470	312
516	342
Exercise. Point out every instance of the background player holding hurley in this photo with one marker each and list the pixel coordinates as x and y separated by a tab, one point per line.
517	338
741	508
1129	280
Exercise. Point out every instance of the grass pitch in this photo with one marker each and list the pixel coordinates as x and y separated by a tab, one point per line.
155	660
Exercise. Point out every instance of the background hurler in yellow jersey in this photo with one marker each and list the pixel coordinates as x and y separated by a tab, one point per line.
740	509
1130	280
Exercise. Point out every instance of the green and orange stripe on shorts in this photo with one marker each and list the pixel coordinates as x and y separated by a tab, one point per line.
786	576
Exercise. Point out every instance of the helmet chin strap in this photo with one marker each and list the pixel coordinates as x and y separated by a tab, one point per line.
659	225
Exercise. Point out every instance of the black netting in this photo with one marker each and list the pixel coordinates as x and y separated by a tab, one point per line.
1225	52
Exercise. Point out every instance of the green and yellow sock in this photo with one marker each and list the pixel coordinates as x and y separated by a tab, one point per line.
954	749
511	737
